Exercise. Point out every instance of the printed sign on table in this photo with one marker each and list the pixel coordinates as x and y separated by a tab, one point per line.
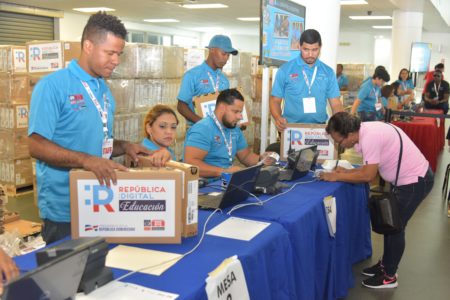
299	136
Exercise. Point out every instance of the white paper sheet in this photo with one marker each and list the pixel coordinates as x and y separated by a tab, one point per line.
118	290
239	229
133	258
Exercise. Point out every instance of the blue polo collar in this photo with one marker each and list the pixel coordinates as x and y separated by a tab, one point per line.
79	72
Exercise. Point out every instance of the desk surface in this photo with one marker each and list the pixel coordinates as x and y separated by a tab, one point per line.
293	258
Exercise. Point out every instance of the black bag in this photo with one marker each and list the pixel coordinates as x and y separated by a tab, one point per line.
384	213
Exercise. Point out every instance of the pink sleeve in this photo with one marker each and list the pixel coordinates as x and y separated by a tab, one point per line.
371	151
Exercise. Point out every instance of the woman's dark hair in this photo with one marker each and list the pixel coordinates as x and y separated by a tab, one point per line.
399	73
228	96
395	86
382	74
343	123
310	36
387	90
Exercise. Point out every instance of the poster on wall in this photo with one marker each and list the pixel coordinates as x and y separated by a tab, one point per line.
420	57
282	23
298	136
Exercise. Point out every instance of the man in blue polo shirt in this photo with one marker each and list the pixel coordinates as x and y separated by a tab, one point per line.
206	78
71	124
305	83
341	78
213	142
369	101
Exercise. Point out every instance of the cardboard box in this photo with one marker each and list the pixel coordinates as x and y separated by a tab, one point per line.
14	144
13	59
49	56
13	116
144	206
24	227
14	89
189	213
17	172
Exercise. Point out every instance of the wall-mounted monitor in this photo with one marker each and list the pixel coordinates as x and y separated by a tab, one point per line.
420	57
282	23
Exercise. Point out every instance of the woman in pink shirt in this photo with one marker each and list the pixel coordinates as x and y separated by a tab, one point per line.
379	145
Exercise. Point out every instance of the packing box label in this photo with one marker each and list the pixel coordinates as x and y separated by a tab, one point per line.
144	206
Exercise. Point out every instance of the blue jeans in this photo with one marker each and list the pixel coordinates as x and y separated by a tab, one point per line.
54	231
409	197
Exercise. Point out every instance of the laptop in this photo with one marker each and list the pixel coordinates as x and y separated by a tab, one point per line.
55	280
241	184
299	163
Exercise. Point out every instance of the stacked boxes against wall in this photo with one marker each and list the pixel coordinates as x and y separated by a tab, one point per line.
42	58
256	92
356	74
15	163
147	75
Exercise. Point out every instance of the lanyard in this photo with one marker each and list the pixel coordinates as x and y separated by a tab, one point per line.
230	144
215	87
437	90
376	94
404	85
103	112
307	80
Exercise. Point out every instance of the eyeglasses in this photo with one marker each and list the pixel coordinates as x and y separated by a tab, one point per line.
437	76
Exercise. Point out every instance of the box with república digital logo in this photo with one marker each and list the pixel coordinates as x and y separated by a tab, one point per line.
189	207
144	206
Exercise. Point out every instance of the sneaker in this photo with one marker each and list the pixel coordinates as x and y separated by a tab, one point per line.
381	281
376	269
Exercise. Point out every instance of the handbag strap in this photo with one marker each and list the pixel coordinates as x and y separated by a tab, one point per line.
399	155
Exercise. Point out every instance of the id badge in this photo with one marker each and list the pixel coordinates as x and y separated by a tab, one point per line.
107	148
309	105
378	106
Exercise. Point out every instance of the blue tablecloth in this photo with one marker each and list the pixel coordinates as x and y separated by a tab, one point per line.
294	258
322	264
266	261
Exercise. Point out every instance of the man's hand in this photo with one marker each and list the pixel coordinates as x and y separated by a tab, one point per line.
8	268
133	150
104	169
280	123
268	158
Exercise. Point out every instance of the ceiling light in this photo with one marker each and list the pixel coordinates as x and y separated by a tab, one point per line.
204	6
382	27
93	9
353	2
370	17
161	20
252	19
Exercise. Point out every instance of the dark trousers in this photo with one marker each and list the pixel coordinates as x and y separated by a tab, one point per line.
54	231
409	197
443	106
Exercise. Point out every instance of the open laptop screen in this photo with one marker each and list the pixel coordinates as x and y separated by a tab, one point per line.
55	280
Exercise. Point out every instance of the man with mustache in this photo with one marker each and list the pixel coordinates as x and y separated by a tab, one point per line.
214	142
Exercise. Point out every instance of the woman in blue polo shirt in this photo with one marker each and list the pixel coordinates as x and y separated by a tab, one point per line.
406	90
160	126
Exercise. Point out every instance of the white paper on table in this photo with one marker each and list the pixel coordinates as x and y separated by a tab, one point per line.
118	290
330	164
239	229
134	258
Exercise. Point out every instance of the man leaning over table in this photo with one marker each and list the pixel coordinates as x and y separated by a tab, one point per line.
71	123
214	142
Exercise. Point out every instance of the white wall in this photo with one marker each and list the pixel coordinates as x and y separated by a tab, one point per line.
382	54
355	48
441	49
244	43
